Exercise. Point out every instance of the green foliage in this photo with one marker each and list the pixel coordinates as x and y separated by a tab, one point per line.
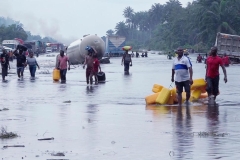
10	29
168	26
11	32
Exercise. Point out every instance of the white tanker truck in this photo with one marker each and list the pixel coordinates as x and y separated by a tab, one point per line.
76	50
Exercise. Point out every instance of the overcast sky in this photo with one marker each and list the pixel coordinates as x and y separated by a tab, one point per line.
68	20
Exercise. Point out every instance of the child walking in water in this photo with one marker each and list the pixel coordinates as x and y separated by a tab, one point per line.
96	66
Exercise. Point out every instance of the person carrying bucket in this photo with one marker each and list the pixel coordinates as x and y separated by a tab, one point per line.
182	68
62	65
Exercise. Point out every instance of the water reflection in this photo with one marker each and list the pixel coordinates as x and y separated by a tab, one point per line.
213	112
182	137
89	89
62	87
213	127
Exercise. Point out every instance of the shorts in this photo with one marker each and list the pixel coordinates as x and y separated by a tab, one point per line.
213	85
88	71
180	85
20	69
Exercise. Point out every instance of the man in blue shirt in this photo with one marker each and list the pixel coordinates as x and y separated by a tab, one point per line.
182	67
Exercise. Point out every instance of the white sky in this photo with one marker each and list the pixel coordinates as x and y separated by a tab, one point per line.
68	20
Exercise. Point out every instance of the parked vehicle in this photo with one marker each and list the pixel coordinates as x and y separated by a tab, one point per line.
114	45
49	49
36	46
76	50
229	44
10	43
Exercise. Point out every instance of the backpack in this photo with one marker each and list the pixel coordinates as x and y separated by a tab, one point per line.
127	58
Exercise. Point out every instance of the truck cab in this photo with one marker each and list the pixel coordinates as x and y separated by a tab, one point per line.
48	49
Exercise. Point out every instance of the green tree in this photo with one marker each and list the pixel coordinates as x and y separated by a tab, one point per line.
110	32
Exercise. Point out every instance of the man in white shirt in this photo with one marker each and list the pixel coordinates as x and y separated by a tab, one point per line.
182	67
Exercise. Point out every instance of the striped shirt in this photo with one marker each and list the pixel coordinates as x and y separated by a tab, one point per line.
181	68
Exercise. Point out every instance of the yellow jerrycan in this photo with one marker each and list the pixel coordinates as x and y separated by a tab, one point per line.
163	96
56	75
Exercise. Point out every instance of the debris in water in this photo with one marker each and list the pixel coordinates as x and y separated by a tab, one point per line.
58	154
4	109
14	146
113	142
67	101
4	134
42	139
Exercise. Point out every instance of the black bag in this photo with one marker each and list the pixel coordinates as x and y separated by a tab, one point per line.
101	76
22	47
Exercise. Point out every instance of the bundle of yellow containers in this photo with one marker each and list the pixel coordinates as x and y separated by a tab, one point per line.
164	95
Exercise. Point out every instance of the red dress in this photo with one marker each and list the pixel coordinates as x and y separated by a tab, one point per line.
95	65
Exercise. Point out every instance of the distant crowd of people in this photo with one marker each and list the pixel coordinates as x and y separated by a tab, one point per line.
22	62
225	59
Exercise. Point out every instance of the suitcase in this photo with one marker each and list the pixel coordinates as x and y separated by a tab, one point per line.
101	77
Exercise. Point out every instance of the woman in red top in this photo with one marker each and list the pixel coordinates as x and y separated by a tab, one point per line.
96	66
212	73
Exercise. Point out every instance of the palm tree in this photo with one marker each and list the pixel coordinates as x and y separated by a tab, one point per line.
110	32
121	29
156	14
215	18
128	13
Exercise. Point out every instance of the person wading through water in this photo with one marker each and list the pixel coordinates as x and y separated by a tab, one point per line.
212	73
21	62
127	61
5	64
32	63
62	66
96	66
183	69
89	62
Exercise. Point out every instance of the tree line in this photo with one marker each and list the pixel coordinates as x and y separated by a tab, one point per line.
168	26
10	29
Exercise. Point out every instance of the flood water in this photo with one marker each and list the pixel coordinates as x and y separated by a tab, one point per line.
111	120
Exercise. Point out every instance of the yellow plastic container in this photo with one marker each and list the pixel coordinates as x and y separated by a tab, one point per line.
172	97
157	88
56	75
203	89
198	83
170	100
195	95
163	96
151	99
204	95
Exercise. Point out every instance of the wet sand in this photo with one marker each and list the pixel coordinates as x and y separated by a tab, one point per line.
111	120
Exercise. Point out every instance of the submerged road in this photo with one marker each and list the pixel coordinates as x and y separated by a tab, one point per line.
111	120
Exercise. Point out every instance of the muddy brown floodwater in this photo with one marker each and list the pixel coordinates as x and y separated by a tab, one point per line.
111	120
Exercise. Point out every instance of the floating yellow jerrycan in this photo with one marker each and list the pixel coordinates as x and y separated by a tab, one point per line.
195	95
172	97
151	99
56	75
157	88
198	83
163	96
